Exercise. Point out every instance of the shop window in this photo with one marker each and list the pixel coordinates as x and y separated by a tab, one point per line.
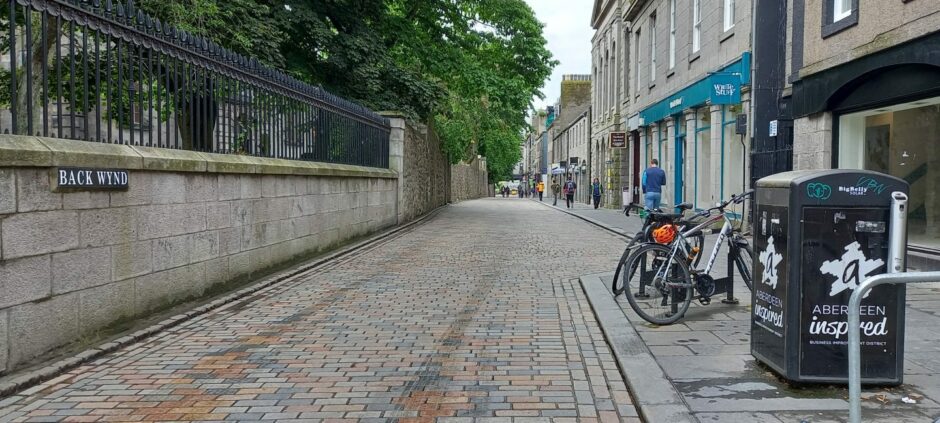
901	141
704	183
838	15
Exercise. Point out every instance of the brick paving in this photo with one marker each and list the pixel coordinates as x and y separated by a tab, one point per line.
475	316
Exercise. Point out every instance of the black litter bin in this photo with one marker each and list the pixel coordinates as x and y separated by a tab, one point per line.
817	235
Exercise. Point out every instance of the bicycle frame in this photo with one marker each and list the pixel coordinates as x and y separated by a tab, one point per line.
726	230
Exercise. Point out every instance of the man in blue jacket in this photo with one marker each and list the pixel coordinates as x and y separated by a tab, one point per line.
653	180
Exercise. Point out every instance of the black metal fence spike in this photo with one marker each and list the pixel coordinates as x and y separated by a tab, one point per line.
241	82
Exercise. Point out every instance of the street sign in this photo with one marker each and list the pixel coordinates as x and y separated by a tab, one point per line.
90	179
773	128
618	140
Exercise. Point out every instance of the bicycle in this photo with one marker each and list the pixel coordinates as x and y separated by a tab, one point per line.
661	270
652	220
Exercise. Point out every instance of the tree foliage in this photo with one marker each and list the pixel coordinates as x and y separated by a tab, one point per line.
471	66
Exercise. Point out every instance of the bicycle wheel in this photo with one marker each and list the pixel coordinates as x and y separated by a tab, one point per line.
617	284
744	260
658	290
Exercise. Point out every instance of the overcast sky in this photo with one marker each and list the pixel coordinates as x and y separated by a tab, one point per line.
568	31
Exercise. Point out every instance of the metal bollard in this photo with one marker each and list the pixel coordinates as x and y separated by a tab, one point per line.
855	350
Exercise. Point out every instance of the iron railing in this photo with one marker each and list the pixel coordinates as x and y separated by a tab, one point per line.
94	70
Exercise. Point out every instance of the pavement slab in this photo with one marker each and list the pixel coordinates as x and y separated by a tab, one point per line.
476	315
708	362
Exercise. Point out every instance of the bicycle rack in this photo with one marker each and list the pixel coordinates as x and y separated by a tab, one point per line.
723	285
726	284
855	350
897	253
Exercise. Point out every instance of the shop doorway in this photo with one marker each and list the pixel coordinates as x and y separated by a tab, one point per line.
679	167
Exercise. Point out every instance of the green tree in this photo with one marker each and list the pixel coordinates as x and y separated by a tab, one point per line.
472	66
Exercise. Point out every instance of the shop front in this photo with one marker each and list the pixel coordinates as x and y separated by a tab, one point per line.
692	135
885	115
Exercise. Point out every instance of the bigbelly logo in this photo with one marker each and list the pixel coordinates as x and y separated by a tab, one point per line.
819	191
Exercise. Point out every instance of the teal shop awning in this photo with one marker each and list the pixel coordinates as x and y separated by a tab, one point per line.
719	87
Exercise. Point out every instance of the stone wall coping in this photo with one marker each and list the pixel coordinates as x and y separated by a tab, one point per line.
28	151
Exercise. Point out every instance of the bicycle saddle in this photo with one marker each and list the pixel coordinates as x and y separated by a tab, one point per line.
684	206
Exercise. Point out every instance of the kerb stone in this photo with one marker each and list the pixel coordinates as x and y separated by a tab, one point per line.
30	234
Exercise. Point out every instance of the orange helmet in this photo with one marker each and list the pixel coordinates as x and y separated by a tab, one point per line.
664	234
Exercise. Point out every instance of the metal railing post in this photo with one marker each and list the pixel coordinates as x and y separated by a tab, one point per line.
855	301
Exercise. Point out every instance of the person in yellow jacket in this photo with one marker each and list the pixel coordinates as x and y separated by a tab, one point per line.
541	188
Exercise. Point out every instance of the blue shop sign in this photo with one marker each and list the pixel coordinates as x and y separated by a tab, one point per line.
721	87
725	88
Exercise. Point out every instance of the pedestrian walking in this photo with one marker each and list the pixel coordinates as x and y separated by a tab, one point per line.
596	191
556	189
653	180
570	188
541	189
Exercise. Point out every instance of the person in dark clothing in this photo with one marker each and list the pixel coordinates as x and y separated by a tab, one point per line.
570	188
596	191
653	180
556	189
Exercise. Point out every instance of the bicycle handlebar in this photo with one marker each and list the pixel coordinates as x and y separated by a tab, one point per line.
735	199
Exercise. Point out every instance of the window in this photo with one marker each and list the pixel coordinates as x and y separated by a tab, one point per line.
838	15
636	69
652	49
614	75
672	34
696	25
841	9
729	14
898	140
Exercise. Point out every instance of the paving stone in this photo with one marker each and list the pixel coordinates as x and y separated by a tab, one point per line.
436	323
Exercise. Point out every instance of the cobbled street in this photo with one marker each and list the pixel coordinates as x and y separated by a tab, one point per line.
473	316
